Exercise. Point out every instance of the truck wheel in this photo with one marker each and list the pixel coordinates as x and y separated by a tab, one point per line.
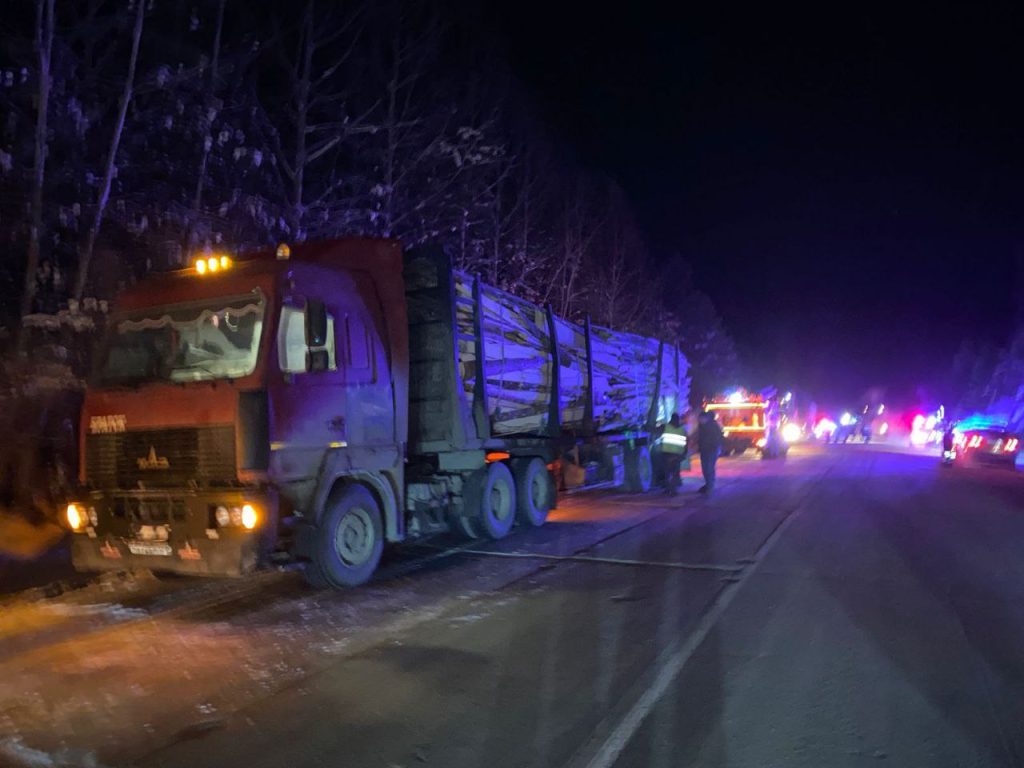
639	470
535	491
314	576
467	526
350	540
491	501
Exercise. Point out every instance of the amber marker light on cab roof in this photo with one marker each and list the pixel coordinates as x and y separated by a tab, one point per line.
210	264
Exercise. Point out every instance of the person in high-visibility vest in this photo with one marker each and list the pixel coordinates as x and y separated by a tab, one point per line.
672	445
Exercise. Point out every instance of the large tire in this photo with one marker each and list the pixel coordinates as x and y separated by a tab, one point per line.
490	501
349	541
468	526
639	470
314	576
535	491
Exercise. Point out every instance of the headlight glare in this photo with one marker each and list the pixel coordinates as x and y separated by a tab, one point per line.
75	516
249	516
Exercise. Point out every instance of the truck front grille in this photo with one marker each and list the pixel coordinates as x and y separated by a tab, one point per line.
150	511
162	458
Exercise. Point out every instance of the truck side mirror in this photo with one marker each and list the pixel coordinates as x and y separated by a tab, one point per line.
316	323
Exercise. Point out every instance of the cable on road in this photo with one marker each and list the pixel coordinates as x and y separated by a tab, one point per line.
605	560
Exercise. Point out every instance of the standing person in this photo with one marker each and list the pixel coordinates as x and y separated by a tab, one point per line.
709	440
948	444
672	447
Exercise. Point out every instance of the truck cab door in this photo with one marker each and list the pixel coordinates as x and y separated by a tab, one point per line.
331	391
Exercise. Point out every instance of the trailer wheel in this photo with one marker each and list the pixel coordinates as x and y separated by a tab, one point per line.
490	501
535	491
349	541
639	470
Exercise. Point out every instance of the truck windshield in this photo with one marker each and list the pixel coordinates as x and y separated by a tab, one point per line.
197	341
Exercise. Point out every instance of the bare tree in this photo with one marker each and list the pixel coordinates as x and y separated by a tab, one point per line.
209	111
44	50
308	132
619	272
577	230
409	139
85	255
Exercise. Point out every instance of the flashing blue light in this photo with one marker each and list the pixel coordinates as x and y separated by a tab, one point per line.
982	421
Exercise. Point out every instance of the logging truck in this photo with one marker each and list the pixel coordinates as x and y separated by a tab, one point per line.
320	401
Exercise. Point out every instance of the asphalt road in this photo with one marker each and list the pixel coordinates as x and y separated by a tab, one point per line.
850	606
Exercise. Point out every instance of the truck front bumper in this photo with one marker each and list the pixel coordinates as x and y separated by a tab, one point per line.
236	556
173	532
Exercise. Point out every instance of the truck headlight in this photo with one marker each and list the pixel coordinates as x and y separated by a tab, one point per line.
249	516
75	516
223	517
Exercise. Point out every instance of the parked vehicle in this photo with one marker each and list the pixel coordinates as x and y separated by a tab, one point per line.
846	429
986	445
321	401
743	419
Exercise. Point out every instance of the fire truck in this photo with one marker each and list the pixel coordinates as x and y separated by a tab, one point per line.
743	418
322	400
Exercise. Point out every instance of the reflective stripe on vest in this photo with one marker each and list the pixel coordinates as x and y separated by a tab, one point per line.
671	442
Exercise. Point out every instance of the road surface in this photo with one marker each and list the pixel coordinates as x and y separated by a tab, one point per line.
851	606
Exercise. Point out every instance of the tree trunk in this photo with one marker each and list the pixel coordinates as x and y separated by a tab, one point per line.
85	256
44	47
197	200
305	66
391	151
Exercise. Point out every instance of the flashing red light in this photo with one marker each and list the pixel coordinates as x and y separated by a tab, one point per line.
975	441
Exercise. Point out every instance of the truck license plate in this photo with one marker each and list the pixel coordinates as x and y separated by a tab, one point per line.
149	548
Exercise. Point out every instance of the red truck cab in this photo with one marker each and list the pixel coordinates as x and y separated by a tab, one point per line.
230	396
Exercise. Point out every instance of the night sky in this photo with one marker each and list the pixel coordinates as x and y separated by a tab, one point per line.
848	187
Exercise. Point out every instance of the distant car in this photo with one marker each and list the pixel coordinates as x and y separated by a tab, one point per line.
846	430
990	445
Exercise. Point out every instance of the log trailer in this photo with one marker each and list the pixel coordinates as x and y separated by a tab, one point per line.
316	402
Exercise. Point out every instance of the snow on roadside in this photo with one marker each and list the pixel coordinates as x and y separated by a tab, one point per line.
113	611
15	754
21	540
133	687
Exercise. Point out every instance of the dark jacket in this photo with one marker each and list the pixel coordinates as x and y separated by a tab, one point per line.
709	437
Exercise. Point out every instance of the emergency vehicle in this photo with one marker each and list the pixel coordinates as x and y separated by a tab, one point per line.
743	418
